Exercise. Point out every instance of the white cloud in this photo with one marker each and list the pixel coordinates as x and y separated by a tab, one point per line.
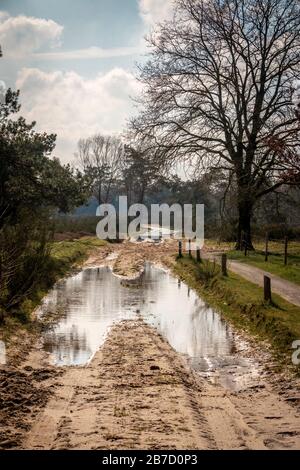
73	107
155	11
89	53
23	35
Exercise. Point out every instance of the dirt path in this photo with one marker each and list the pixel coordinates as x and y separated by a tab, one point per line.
138	393
135	394
127	259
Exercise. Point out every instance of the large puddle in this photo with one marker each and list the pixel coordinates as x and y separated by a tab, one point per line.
94	299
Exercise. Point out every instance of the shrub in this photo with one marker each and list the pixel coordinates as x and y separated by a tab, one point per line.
207	272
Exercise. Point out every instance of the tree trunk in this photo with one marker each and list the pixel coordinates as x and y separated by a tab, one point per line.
141	195
99	197
244	238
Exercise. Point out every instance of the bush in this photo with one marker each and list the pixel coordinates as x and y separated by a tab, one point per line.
75	225
207	272
24	250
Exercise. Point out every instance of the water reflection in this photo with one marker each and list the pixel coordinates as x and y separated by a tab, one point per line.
94	299
60	341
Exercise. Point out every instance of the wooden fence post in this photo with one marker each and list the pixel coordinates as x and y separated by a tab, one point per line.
267	247
285	250
198	252
267	289
180	249
190	250
224	264
246	246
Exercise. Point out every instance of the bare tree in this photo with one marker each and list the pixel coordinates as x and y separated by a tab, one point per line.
218	86
100	158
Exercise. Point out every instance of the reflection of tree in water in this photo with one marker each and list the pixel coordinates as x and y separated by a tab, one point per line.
2	352
147	289
68	347
209	333
153	279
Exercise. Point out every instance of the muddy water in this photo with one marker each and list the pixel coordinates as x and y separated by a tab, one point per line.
94	299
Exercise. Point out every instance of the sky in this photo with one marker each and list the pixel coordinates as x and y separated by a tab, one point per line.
74	62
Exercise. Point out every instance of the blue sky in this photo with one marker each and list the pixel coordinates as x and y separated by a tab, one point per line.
86	23
74	62
101	22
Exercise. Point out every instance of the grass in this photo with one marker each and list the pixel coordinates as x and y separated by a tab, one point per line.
216	245
241	302
65	254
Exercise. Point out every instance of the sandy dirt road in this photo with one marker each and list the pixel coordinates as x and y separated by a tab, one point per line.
138	393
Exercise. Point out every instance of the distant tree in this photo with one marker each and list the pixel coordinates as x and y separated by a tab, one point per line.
139	170
100	158
218	87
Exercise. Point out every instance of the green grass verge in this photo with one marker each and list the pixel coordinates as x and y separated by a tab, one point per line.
65	254
240	302
274	265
